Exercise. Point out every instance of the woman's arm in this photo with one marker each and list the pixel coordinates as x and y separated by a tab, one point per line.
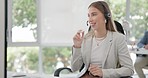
76	59
143	41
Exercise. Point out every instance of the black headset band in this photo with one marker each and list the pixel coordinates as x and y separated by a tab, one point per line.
106	13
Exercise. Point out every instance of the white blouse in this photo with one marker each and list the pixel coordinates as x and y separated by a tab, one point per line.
97	51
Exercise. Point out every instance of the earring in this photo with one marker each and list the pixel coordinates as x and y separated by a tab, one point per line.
105	21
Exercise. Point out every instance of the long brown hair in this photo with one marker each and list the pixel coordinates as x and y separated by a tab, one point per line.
104	8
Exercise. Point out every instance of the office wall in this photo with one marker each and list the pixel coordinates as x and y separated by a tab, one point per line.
2	25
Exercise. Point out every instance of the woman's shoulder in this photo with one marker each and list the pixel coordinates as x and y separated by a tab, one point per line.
118	35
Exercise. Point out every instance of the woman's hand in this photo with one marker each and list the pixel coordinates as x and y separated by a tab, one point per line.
146	47
78	38
95	70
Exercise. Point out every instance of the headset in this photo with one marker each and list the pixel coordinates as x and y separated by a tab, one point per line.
107	14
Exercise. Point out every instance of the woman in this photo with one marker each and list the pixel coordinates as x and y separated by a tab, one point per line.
102	51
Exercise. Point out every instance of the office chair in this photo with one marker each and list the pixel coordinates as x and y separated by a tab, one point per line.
119	29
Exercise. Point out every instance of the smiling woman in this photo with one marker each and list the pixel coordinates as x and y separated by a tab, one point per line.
111	55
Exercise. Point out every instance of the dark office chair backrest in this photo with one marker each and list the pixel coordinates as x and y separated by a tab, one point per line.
119	27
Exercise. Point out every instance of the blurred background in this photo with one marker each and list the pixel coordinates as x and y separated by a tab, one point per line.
39	32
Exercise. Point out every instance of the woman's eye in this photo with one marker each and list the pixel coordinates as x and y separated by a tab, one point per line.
94	14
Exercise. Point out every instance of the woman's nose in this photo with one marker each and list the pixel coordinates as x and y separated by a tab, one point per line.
89	19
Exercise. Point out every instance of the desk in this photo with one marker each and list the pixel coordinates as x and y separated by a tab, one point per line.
140	51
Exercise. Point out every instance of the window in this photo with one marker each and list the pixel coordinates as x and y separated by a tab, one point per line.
23	48
23	21
61	20
55	57
22	59
40	33
138	18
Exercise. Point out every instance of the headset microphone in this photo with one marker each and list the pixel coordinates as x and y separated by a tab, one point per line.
87	23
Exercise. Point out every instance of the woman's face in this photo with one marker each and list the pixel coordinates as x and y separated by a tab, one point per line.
95	18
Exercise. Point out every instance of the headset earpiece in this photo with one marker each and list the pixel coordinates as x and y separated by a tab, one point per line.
107	16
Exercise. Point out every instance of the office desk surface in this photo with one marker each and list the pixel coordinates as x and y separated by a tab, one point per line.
139	51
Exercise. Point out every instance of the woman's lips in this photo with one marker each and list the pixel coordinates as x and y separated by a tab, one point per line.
92	24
